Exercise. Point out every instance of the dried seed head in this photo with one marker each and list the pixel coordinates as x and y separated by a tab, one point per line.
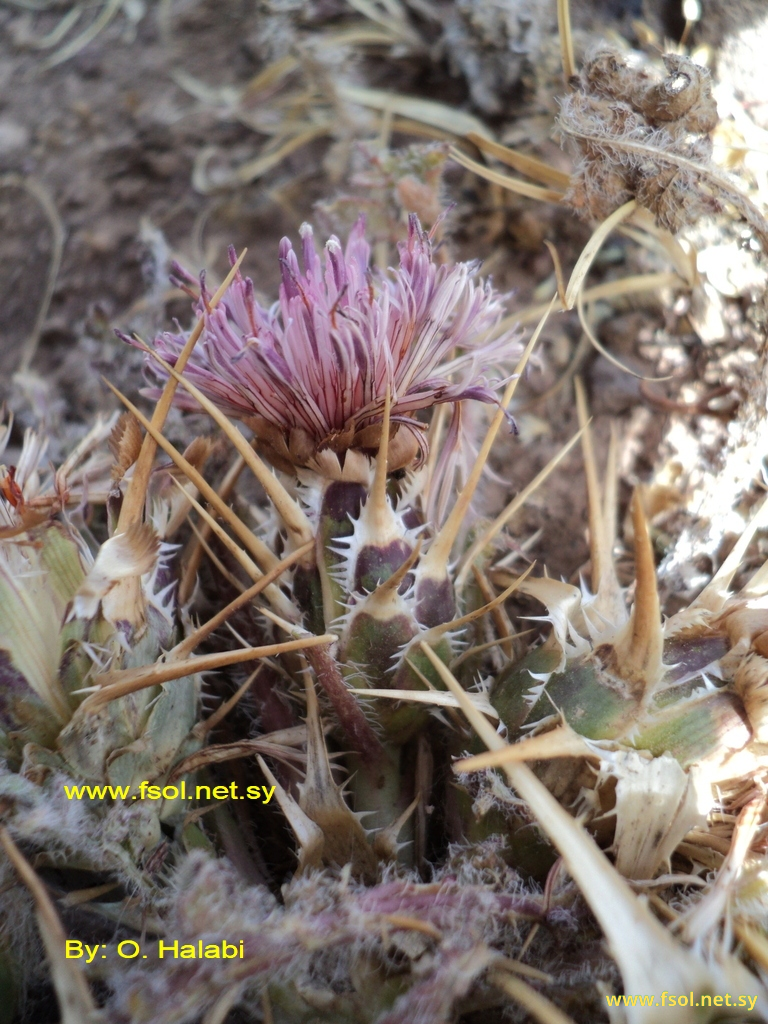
114	580
648	140
685	96
125	444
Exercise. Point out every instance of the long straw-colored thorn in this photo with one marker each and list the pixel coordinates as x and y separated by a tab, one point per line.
258	548
137	491
435	561
194	556
503	518
490	606
186	646
437	698
560	742
206	725
289	509
245	561
639	651
378	499
118	684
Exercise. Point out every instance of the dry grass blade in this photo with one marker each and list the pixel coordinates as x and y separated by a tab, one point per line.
566	39
219	1012
604	351
598	555
271	76
522	188
118	684
518	967
41	194
602	511
133	502
291	512
57	33
75	1001
218	753
256	168
395	20
503	518
558	272
534	1002
74	46
631	285
438	115
592	248
530	166
646	232
755	942
413	924
82	896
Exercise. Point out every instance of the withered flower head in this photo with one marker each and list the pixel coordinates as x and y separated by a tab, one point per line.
312	371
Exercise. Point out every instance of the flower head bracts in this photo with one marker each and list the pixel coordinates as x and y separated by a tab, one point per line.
312	371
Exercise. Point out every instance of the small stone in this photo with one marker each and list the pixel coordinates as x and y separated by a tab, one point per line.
13	136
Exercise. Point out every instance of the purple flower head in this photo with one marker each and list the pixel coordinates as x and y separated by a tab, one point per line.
312	371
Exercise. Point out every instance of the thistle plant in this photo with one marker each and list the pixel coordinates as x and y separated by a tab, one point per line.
379	591
626	728
331	380
612	833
